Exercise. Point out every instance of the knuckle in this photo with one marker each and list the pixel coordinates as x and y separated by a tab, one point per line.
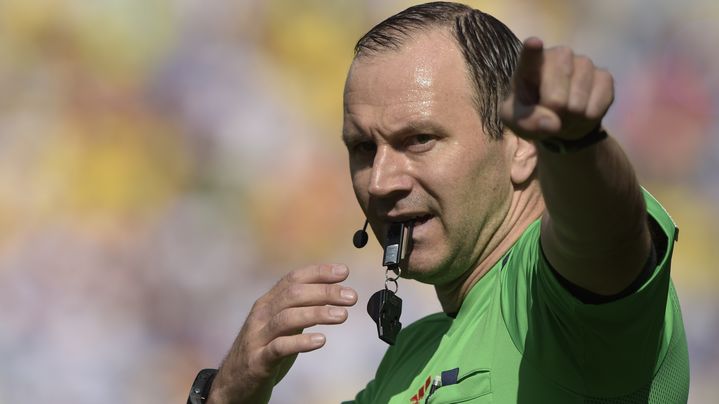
295	291
320	313
307	316
259	304
584	61
259	310
322	270
290	318
565	52
293	276
280	319
605	76
556	100
270	327
281	323
254	316
564	59
330	291
273	350
316	271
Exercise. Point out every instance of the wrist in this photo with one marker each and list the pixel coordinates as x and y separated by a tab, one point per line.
219	393
225	389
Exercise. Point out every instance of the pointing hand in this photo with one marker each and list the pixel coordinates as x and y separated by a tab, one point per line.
556	93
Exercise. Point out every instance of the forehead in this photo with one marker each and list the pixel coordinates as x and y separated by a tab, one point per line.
427	73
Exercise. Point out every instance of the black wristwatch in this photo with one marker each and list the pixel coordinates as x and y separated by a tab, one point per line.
201	386
562	146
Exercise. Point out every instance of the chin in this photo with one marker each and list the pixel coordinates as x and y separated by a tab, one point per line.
425	271
432	267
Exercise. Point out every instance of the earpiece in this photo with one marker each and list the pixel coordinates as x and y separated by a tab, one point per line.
360	238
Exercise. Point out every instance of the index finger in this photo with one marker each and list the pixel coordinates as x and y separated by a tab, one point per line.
527	76
324	273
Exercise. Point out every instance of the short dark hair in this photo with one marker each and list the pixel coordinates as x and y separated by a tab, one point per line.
490	49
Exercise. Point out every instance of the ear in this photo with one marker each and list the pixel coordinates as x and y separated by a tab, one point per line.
522	158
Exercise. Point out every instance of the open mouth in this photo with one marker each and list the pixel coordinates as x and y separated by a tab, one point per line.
412	221
419	220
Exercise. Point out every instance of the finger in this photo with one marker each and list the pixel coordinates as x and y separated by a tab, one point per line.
283	347
303	295
298	295
602	95
295	319
556	78
324	273
527	76
581	85
320	274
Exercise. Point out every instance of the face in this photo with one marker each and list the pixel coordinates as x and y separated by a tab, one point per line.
418	152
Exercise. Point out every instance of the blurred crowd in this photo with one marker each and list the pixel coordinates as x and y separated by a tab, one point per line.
162	163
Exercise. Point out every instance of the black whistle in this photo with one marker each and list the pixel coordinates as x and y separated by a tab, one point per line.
385	307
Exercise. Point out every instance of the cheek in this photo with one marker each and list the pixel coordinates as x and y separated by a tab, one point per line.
473	186
360	181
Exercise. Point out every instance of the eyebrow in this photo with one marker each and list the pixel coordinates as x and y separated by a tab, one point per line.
414	126
352	136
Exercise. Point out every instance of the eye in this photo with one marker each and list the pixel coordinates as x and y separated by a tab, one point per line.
420	143
363	148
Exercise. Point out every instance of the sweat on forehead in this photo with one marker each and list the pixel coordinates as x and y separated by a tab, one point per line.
423	72
490	49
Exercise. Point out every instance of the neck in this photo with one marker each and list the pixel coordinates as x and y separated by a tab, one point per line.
525	207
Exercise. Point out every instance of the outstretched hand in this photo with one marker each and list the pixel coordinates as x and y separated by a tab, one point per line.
271	337
556	93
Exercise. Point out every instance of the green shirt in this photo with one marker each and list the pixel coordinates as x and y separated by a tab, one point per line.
520	336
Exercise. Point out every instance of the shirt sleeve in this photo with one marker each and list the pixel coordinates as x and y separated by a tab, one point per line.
612	348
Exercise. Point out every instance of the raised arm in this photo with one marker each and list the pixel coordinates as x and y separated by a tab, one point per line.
595	231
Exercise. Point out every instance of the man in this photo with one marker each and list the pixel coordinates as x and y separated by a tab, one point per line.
550	262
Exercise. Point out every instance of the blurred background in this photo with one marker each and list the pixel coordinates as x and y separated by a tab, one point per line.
163	163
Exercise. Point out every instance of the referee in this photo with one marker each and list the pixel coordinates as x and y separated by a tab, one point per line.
551	263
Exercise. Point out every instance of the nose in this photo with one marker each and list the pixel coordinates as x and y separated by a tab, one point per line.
390	173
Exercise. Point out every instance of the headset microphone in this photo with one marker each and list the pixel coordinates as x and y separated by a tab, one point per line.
360	238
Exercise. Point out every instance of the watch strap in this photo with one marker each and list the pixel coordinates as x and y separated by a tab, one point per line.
201	386
564	146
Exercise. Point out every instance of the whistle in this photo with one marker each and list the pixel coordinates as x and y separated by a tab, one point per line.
385	307
395	250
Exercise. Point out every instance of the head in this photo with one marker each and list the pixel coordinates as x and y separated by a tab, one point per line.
425	141
490	50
